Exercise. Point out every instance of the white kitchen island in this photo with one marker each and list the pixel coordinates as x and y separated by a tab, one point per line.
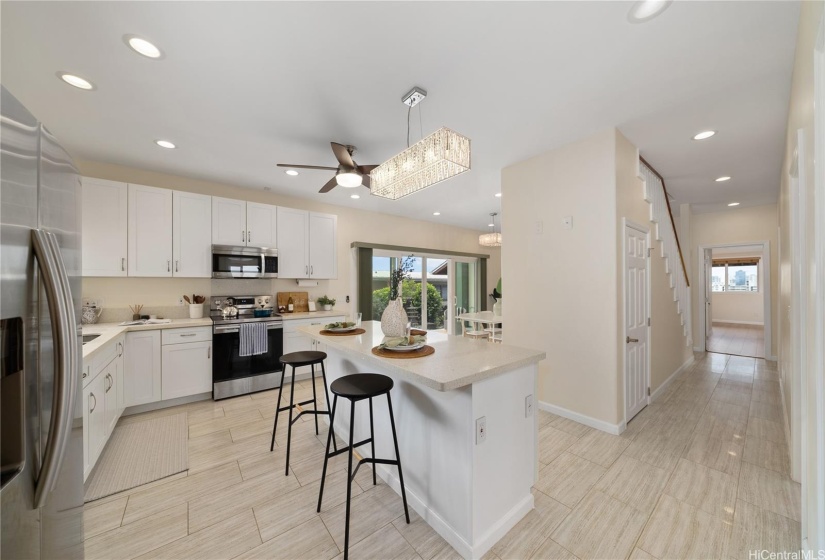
471	492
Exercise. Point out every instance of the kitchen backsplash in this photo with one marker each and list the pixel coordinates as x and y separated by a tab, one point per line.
159	296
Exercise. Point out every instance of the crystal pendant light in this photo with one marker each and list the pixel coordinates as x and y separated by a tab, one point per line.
491	239
438	157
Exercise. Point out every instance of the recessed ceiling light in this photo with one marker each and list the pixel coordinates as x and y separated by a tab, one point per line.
491	225
76	81
142	46
165	144
436	213
723	179
355	196
733	204
644	10
498	195
291	172
704	135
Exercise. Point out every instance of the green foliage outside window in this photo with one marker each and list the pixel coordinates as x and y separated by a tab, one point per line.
411	298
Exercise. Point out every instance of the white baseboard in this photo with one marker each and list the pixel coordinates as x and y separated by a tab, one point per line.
507	522
698	349
663	387
614	429
726	322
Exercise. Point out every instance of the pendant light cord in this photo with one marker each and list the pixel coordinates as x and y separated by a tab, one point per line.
409	108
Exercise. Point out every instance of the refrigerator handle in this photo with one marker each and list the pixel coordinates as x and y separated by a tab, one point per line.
61	309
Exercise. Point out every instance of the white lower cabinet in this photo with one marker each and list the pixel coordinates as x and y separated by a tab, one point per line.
187	369
142	377
102	400
295	341
94	421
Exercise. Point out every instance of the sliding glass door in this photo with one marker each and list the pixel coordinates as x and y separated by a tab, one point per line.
427	293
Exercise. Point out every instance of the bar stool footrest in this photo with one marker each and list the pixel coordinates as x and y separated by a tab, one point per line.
345	449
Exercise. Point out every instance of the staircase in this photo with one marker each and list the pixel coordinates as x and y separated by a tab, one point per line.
665	231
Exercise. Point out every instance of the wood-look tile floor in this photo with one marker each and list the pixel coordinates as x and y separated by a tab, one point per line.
700	473
739	340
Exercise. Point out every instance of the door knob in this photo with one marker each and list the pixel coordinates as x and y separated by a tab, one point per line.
629	340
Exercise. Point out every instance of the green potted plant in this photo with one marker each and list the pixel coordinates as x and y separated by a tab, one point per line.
326	302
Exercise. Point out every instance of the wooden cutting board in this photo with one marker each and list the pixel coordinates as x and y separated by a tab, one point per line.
300	300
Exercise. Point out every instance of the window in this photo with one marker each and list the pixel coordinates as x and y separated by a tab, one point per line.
735	275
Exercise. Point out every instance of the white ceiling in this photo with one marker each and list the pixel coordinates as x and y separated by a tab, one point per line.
244	86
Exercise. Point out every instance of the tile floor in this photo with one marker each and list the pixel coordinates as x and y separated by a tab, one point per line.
700	473
739	340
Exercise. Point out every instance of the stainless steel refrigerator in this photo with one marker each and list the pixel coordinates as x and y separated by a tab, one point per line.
41	483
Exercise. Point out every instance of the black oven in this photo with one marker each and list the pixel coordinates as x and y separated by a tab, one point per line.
244	262
233	374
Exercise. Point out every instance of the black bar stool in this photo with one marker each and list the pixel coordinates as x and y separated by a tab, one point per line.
358	387
299	359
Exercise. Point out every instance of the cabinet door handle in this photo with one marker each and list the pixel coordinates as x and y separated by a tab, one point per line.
189	334
306	270
176	266
209	353
248	236
243	236
120	353
168	266
311	270
94	406
123	264
109	377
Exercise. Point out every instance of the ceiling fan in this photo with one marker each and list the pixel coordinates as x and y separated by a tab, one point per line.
348	174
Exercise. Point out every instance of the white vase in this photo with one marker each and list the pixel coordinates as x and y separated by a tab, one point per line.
196	311
497	308
394	319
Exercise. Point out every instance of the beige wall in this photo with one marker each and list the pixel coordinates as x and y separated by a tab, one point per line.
801	117
735	307
741	225
560	295
353	225
555	280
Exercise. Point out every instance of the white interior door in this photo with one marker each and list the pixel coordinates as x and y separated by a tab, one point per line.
636	316
708	294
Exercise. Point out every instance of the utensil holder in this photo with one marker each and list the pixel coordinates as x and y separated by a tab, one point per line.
196	311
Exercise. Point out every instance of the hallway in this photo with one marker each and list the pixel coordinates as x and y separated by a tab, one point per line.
738	340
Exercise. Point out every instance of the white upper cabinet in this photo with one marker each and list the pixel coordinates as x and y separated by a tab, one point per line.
228	221
191	235
104	230
261	225
150	231
307	244
323	249
293	243
241	223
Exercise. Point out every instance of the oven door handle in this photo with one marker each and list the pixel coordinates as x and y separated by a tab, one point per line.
229	330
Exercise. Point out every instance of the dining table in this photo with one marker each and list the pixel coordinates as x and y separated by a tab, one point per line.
488	319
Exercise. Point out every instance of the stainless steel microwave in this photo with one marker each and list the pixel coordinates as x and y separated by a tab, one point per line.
244	262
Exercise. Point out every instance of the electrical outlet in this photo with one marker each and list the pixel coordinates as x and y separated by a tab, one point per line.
92	302
180	300
481	430
567	222
528	406
538	227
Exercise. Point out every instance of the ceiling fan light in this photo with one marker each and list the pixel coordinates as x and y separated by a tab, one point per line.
348	180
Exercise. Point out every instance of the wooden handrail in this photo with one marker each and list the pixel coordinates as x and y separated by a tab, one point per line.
670	213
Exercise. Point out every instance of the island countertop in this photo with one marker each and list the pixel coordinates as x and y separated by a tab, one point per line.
457	361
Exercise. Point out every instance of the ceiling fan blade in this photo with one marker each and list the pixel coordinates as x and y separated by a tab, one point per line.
365	180
331	184
342	154
308	167
365	169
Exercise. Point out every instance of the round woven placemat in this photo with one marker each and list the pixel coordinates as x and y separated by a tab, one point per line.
349	333
420	353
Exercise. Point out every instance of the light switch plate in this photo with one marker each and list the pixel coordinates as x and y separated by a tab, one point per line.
567	222
538	227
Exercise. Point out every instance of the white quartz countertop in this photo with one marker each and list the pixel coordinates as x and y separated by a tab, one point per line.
108	331
312	315
457	361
